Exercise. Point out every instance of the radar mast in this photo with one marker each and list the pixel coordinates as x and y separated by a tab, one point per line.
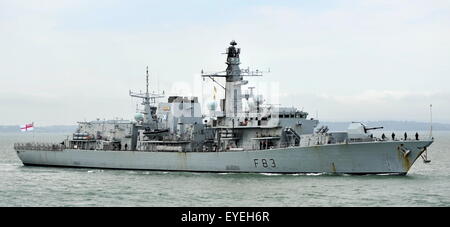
148	101
232	104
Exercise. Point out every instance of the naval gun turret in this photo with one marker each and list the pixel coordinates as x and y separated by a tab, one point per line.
357	131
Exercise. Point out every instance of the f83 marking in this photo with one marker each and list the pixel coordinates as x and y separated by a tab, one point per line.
266	163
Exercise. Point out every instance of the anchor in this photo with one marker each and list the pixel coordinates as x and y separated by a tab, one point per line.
405	151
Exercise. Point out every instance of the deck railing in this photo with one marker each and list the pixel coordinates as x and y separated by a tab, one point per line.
39	146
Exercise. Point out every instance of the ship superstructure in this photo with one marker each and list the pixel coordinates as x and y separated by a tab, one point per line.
260	126
175	135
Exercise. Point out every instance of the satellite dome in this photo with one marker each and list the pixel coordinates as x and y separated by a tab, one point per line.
139	117
212	106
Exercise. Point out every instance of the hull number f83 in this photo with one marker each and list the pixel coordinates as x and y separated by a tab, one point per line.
266	163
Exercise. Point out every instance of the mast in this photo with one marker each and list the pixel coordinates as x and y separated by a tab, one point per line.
431	121
147	83
148	101
232	104
425	153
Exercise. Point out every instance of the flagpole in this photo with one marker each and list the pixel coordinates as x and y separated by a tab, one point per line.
431	121
32	125
27	127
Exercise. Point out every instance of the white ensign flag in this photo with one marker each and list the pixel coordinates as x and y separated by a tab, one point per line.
27	127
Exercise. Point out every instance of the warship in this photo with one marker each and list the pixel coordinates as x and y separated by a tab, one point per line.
240	133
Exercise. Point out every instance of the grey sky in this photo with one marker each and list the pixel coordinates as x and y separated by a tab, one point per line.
64	61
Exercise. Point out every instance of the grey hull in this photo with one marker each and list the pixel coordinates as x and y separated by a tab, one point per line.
354	158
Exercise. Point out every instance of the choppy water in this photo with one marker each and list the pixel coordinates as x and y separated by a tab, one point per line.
425	185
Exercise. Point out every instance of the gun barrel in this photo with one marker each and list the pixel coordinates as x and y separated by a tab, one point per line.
374	128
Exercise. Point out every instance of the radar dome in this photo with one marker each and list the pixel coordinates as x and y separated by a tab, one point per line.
139	117
212	106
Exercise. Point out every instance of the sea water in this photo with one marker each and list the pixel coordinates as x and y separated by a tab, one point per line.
425	184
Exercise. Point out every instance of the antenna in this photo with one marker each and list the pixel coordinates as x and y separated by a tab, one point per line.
425	151
148	99
431	121
147	80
